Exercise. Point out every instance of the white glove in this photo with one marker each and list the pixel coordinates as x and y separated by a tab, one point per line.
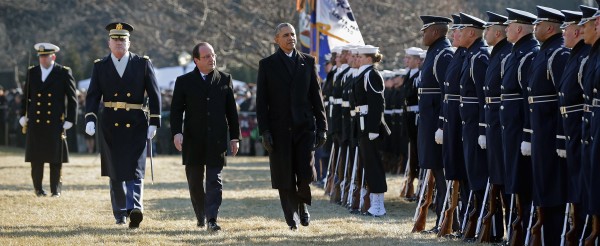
561	153
151	131
23	121
90	128
439	136
67	125
482	142
373	136
526	148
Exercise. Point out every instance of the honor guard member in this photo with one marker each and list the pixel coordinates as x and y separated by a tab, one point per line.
121	81
495	35
432	75
411	109
592	95
368	93
388	144
399	140
49	110
452	151
514	115
472	100
326	87
549	170
336	124
571	107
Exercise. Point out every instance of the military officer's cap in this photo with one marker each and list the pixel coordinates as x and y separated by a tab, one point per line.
549	15
455	22
367	49
46	48
119	29
467	20
495	19
519	16
571	17
587	14
429	20
414	51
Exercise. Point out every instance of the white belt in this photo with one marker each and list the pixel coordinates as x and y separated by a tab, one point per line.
388	111
414	108
345	104
331	99
337	101
398	111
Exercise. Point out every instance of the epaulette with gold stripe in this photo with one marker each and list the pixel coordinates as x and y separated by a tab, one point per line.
68	68
97	60
146	57
30	67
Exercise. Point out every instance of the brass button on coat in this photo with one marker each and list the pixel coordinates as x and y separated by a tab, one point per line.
127	125
49	94
116	124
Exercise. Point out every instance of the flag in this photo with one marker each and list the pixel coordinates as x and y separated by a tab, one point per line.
305	24
335	25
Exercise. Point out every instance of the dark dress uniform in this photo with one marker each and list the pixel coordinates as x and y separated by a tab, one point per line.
210	116
409	119
439	55
452	149
289	106
336	130
346	137
514	115
46	112
591	92
571	107
124	126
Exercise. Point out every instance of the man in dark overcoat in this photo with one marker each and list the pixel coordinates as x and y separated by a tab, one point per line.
46	117
121	80
205	97
291	120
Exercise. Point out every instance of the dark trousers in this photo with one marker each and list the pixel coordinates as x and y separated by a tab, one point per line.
553	224
206	203
374	172
125	196
440	186
292	199
37	175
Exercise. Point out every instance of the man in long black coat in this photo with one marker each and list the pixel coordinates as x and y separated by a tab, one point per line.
291	120
205	95
47	117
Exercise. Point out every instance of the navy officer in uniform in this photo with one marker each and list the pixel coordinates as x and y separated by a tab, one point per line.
46	117
514	115
432	75
570	102
549	170
121	80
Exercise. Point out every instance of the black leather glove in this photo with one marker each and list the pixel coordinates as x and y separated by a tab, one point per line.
267	141
320	139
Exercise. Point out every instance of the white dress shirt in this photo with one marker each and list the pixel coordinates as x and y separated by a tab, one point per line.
120	64
46	72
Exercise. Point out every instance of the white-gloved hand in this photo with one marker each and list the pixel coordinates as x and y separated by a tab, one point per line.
482	142
67	125
373	136
151	131
90	128
23	121
561	153
526	148
439	136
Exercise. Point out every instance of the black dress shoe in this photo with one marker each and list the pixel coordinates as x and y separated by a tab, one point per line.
57	195
135	218
433	230
201	223
304	215
293	228
40	193
213	226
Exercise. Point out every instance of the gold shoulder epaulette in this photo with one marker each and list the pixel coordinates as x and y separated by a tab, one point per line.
30	67
97	60
68	68
146	57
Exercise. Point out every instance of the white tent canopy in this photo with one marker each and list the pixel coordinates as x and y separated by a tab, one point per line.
165	77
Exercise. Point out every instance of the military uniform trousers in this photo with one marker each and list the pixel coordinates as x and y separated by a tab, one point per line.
595	158
37	175
125	196
374	172
452	149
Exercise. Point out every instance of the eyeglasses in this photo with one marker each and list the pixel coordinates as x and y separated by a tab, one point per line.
209	56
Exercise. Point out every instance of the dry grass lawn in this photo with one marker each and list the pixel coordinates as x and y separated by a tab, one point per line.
250	213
